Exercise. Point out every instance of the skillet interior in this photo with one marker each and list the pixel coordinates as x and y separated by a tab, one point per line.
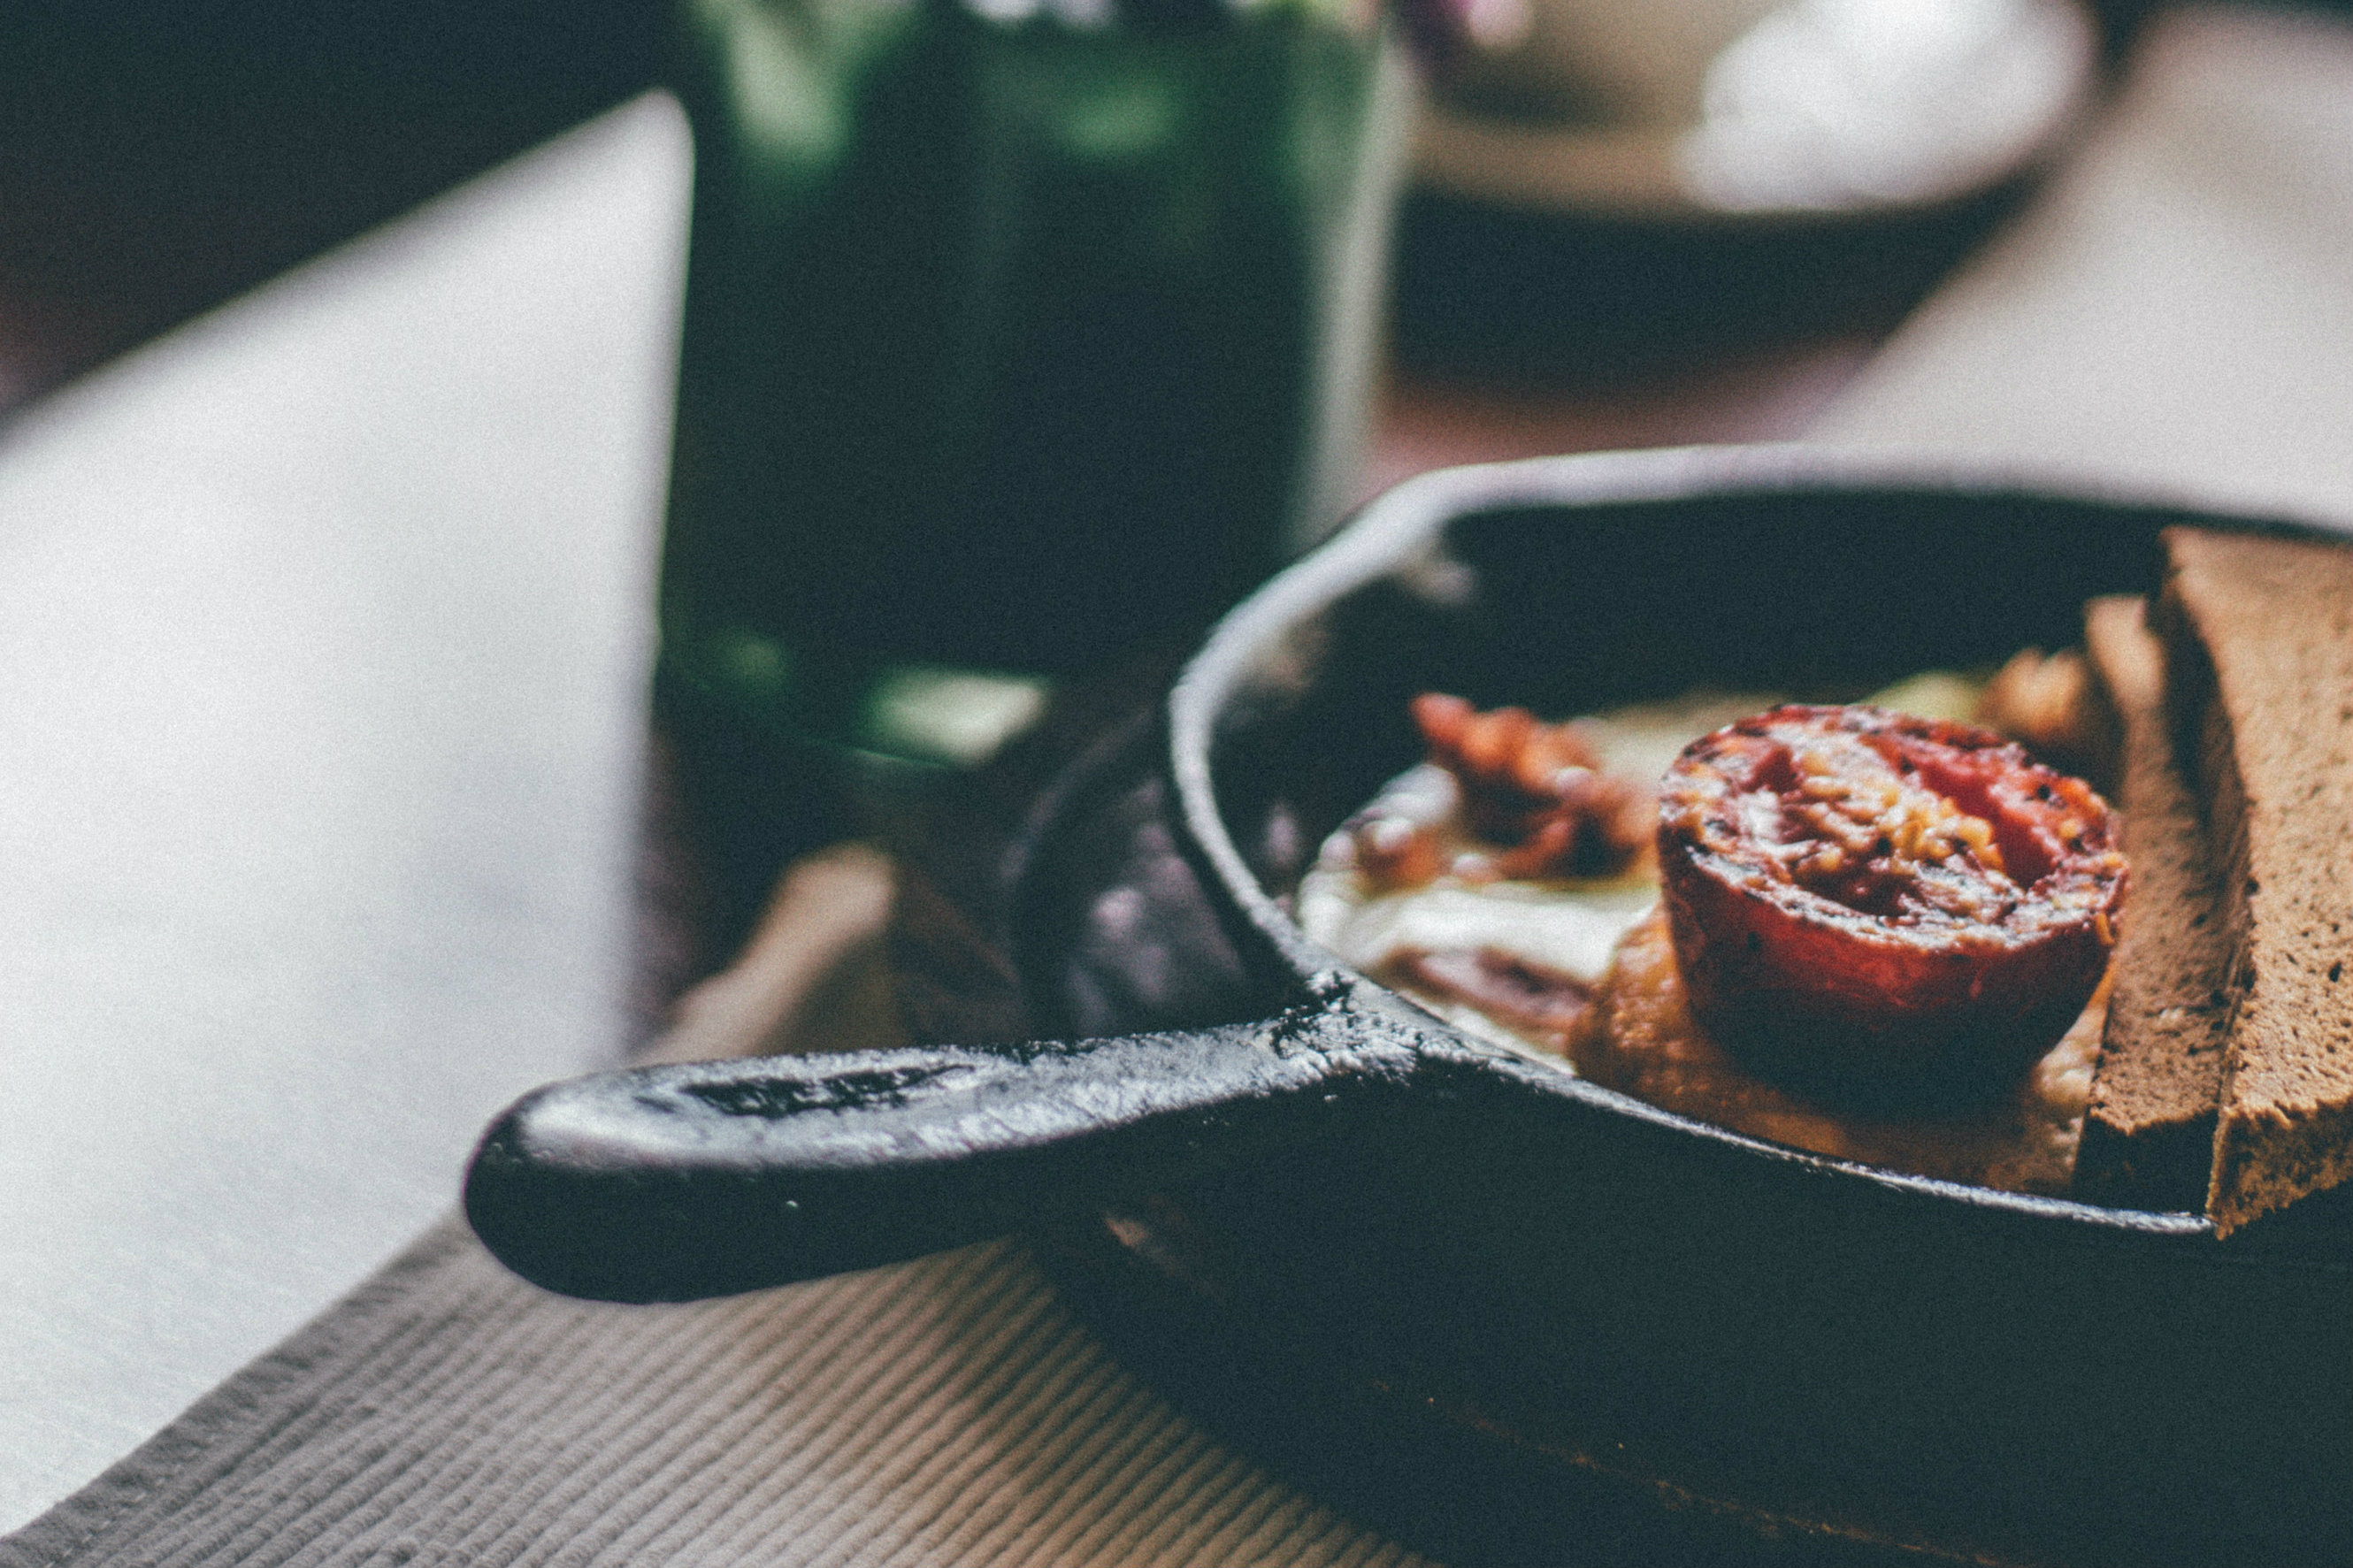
1608	1304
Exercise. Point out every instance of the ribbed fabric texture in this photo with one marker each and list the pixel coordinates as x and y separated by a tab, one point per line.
947	1411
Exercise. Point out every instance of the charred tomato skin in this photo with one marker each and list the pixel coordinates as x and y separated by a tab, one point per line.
1872	978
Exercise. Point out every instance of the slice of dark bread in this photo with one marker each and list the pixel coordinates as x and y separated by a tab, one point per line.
2258	632
2148	1137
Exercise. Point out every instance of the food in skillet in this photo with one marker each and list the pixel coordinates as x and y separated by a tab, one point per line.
1495	880
1943	975
2218	1073
2220	1076
1878	908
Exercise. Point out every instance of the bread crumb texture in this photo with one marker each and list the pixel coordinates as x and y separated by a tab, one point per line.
2148	1135
2273	617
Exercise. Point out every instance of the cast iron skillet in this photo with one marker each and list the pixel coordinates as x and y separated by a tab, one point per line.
2091	1382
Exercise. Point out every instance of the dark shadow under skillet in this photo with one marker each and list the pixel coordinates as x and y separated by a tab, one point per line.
1548	1311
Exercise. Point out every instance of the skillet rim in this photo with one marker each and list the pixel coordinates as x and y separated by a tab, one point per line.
1390	528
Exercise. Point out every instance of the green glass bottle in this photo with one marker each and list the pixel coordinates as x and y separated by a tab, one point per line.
1014	334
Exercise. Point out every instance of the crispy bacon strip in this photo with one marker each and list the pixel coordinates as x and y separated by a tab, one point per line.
1536	790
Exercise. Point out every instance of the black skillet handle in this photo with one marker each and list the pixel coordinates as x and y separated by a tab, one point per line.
676	1182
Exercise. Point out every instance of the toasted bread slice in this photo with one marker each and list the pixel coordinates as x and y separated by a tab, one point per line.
2258	632
2148	1137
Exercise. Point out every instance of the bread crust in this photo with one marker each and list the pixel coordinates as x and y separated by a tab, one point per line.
2148	1134
2258	632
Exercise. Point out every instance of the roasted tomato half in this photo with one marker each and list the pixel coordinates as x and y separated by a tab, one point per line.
1879	908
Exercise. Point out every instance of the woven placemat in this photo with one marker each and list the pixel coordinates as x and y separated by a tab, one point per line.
942	1412
952	1410
949	1410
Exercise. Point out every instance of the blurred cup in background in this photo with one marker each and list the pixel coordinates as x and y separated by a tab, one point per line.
1017	332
